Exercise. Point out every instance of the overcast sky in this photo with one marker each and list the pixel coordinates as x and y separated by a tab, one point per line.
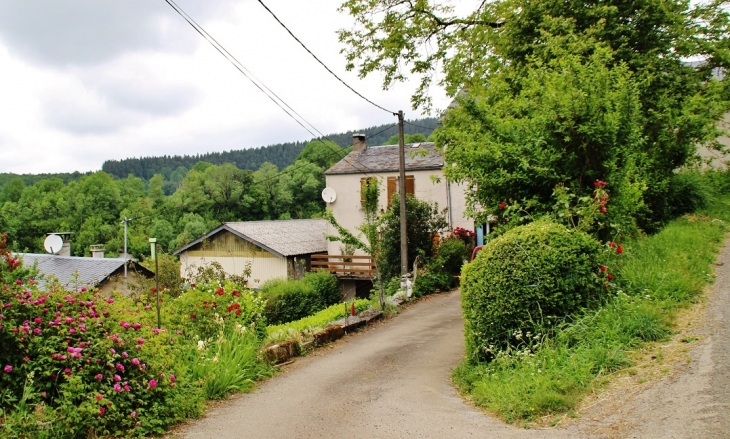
83	81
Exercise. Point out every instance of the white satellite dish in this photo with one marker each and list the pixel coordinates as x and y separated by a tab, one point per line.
53	244
329	195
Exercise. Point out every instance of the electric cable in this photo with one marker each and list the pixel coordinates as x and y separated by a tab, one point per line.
322	63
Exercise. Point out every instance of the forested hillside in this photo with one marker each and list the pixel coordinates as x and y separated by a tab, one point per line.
281	155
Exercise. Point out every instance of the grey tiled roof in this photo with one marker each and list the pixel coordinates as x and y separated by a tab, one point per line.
91	271
283	237
385	159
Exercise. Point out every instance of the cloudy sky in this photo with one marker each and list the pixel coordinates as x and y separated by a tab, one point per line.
83	81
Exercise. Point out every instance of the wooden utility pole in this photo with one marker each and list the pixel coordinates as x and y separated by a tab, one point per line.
402	193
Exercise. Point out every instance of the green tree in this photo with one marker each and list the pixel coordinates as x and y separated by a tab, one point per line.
496	52
156	191
12	190
323	153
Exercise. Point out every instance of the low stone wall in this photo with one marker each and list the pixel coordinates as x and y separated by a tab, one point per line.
284	351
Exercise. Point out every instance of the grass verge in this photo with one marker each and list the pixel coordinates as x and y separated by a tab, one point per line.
658	275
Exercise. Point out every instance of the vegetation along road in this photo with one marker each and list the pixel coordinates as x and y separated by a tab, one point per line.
394	381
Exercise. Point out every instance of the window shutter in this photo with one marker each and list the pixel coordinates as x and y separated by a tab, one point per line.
410	185
392	188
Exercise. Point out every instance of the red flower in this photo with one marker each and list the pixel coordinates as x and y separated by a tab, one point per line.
603	209
236	293
192	316
219	291
502	205
603	268
610	276
619	249
612	244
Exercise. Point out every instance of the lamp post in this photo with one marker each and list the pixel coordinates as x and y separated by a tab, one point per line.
153	253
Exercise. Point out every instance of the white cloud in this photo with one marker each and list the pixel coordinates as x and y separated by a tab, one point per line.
85	81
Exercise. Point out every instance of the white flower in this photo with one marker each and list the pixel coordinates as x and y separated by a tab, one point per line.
201	345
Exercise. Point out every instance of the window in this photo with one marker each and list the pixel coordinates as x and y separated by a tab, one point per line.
393	186
363	182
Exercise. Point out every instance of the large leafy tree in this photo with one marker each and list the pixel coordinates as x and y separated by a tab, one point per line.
557	92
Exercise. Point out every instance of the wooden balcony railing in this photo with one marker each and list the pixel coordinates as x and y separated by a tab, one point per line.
345	266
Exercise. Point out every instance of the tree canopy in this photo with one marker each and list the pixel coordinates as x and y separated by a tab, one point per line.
554	93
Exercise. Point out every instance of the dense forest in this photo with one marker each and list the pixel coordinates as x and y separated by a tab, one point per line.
281	155
177	203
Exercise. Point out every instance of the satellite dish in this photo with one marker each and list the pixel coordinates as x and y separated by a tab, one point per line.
53	244
329	195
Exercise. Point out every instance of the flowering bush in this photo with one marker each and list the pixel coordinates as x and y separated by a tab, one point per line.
69	352
208	308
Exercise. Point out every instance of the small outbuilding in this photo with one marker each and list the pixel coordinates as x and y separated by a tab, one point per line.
270	249
106	274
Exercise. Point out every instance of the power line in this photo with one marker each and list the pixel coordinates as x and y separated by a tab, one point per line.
419	126
322	63
261	86
241	68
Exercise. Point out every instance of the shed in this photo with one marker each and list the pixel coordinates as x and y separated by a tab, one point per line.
106	274
270	248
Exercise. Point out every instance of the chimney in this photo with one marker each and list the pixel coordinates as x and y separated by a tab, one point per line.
358	142
97	250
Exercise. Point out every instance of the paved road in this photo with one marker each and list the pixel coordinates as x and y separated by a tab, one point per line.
391	381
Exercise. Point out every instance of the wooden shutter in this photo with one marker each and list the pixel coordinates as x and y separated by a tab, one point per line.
392	188
410	185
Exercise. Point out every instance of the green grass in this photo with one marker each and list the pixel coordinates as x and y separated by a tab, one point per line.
313	322
657	276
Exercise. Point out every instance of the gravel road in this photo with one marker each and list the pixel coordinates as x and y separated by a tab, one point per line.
392	381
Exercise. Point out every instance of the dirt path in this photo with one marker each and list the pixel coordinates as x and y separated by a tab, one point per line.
392	381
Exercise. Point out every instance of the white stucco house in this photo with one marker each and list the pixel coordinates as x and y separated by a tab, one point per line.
424	179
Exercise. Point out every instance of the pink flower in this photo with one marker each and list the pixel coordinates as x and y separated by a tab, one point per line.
38	320
172	378
136	326
141	340
99	397
8	368
135	361
133	414
102	410
67	371
153	383
117	378
117	387
18	282
99	376
120	367
172	384
37	331
125	355
126	387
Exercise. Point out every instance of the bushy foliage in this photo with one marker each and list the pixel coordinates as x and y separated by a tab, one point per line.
97	363
452	253
526	280
686	192
206	309
423	221
292	299
431	280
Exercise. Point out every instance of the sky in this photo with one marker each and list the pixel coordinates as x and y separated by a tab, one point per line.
84	81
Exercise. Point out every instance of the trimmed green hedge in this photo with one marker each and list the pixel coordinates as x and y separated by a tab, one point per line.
527	280
288	300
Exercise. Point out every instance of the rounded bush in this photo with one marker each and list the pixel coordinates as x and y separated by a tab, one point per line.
531	277
452	254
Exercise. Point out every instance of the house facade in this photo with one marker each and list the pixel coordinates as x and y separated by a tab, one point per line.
269	249
424	179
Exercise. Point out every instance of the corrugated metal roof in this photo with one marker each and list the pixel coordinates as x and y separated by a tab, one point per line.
282	237
91	271
385	159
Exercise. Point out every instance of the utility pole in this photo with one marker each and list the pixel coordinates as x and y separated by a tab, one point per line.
126	257
153	251
402	192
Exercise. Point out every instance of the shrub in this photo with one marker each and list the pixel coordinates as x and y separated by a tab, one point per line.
527	279
288	300
208	308
325	287
94	365
688	191
431	281
452	253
